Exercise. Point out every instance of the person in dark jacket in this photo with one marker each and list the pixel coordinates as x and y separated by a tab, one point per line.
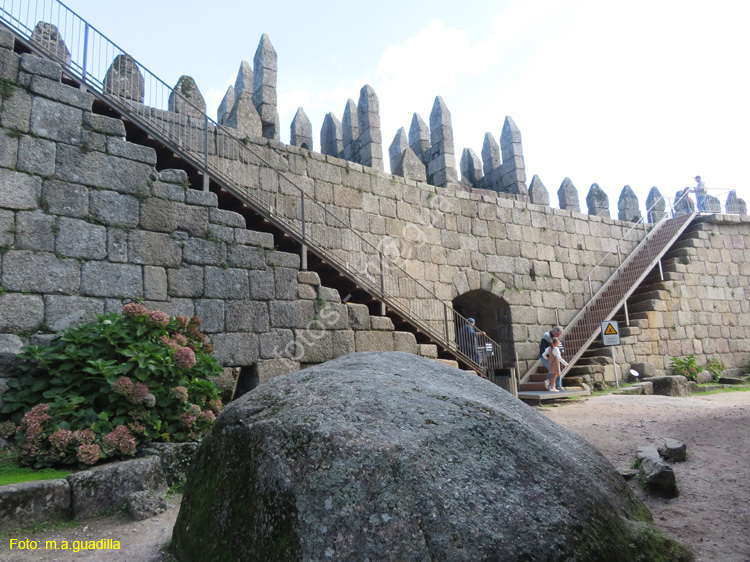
467	340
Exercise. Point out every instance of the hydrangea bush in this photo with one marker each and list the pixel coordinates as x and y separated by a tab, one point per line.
101	389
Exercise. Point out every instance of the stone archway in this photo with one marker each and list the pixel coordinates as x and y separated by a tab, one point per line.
493	316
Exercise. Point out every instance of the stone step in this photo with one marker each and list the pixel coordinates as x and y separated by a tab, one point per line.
640	296
449	362
650	305
428	350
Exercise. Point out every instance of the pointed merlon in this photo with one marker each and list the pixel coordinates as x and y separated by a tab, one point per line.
245	81
186	98
331	136
736	206
244	117
124	79
471	168
48	37
710	204
301	130
264	87
410	167
350	127
567	195
655	206
597	201
683	204
419	136
441	127
370	140
538	193
225	107
513	168
627	205
397	148
490	154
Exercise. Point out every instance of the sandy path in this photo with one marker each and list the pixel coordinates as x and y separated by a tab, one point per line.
712	512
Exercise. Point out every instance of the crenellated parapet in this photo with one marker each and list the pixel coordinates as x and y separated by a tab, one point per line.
301	130
264	87
655	205
597	201
735	205
504	166
567	196
124	79
186	98
538	194
627	205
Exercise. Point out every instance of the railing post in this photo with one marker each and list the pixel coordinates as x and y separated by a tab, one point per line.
627	318
661	271
205	154
382	286
85	51
304	236
591	289
557	316
445	314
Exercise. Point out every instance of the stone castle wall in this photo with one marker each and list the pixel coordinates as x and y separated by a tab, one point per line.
87	224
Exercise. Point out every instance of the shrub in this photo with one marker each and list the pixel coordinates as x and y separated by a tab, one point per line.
716	368
686	366
102	388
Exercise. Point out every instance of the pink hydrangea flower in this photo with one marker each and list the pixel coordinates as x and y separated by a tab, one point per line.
182	320
33	421
187	419
120	439
7	429
61	438
207	416
159	318
134	310
184	357
181	393
140	391
180	339
123	386
89	454
215	405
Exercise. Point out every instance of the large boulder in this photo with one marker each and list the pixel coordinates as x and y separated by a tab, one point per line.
676	385
389	456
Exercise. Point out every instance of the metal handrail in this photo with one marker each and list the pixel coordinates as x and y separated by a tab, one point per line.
234	164
626	282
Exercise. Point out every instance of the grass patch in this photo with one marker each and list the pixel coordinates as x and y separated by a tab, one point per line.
41	528
728	388
11	473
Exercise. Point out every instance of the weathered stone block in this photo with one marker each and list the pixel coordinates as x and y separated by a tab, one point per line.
80	239
342	343
186	281
271	368
9	63
201	198
16	112
55	121
117	245
246	316
252	238
101	279
107	487
285	282
35	231
277	343
226	218
381	323
20	313
104	125
114	208
261	285
672	450
10	347
405	341
145	504
204	252
211	312
152	248
8	150
125	149
62	311
66	199
246	257
227	283
167	216
373	341
33	64
291	314
154	283
19	191
21	272
670	386
359	316
56	91
313	345
29	503
100	170
235	349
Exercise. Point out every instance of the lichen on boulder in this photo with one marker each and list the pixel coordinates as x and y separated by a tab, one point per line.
390	456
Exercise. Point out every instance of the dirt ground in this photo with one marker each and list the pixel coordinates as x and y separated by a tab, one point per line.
711	513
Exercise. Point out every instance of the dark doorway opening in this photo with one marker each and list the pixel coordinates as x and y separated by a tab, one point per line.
492	315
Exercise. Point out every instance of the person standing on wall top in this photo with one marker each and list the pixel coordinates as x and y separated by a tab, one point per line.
467	340
700	194
555	332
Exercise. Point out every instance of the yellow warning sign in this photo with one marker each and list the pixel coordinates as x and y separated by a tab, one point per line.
610	331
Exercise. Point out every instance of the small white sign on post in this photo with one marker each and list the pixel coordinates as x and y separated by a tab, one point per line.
610	333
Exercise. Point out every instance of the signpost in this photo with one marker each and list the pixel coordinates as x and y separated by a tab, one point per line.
611	337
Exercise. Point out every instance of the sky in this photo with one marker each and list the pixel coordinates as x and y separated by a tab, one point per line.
640	93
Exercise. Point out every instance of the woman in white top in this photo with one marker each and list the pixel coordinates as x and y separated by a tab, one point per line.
552	354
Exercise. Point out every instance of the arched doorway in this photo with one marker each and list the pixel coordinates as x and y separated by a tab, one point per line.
493	316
